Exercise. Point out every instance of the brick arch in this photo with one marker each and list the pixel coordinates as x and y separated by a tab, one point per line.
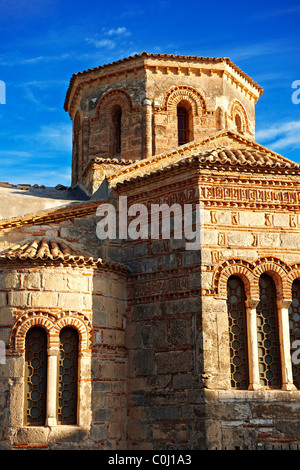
183	93
292	276
81	326
233	267
53	325
278	270
237	108
27	321
112	98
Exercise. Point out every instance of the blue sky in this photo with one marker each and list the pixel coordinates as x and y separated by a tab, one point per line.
43	42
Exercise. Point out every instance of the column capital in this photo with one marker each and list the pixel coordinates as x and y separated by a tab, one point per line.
284	303
252	303
53	351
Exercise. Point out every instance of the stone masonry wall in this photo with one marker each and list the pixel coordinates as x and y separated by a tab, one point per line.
163	333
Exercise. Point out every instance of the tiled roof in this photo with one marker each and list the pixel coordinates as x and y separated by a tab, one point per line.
204	149
45	249
42	249
246	157
231	158
161	56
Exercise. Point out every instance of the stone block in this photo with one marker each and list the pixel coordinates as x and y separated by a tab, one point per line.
43	299
166	412
158	335
269	239
118	288
182	306
281	220
182	381
78	283
180	331
149	265
290	240
18	299
10	280
142	362
54	281
70	301
174	362
170	261
242	239
6	315
192	257
2	301
252	219
31	280
101	285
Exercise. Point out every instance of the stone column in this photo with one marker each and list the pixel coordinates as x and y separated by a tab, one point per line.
148	127
285	346
51	414
254	382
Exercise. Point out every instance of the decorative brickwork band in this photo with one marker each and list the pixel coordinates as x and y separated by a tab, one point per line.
52	324
282	274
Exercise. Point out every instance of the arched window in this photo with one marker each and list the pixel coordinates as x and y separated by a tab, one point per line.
237	333
116	130
294	319
184	123
68	376
267	334
238	123
35	376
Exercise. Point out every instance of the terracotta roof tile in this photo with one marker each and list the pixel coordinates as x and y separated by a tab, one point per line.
42	249
45	249
233	158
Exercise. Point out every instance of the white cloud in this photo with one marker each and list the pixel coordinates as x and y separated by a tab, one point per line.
120	31
99	43
111	36
280	136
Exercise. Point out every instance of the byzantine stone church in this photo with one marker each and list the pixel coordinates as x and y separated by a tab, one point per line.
139	343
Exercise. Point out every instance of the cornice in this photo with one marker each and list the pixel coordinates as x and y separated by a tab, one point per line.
184	64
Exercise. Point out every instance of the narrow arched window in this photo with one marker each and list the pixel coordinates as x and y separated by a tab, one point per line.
237	333
182	116
184	122
116	135
268	335
294	320
68	376
238	123
35	376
